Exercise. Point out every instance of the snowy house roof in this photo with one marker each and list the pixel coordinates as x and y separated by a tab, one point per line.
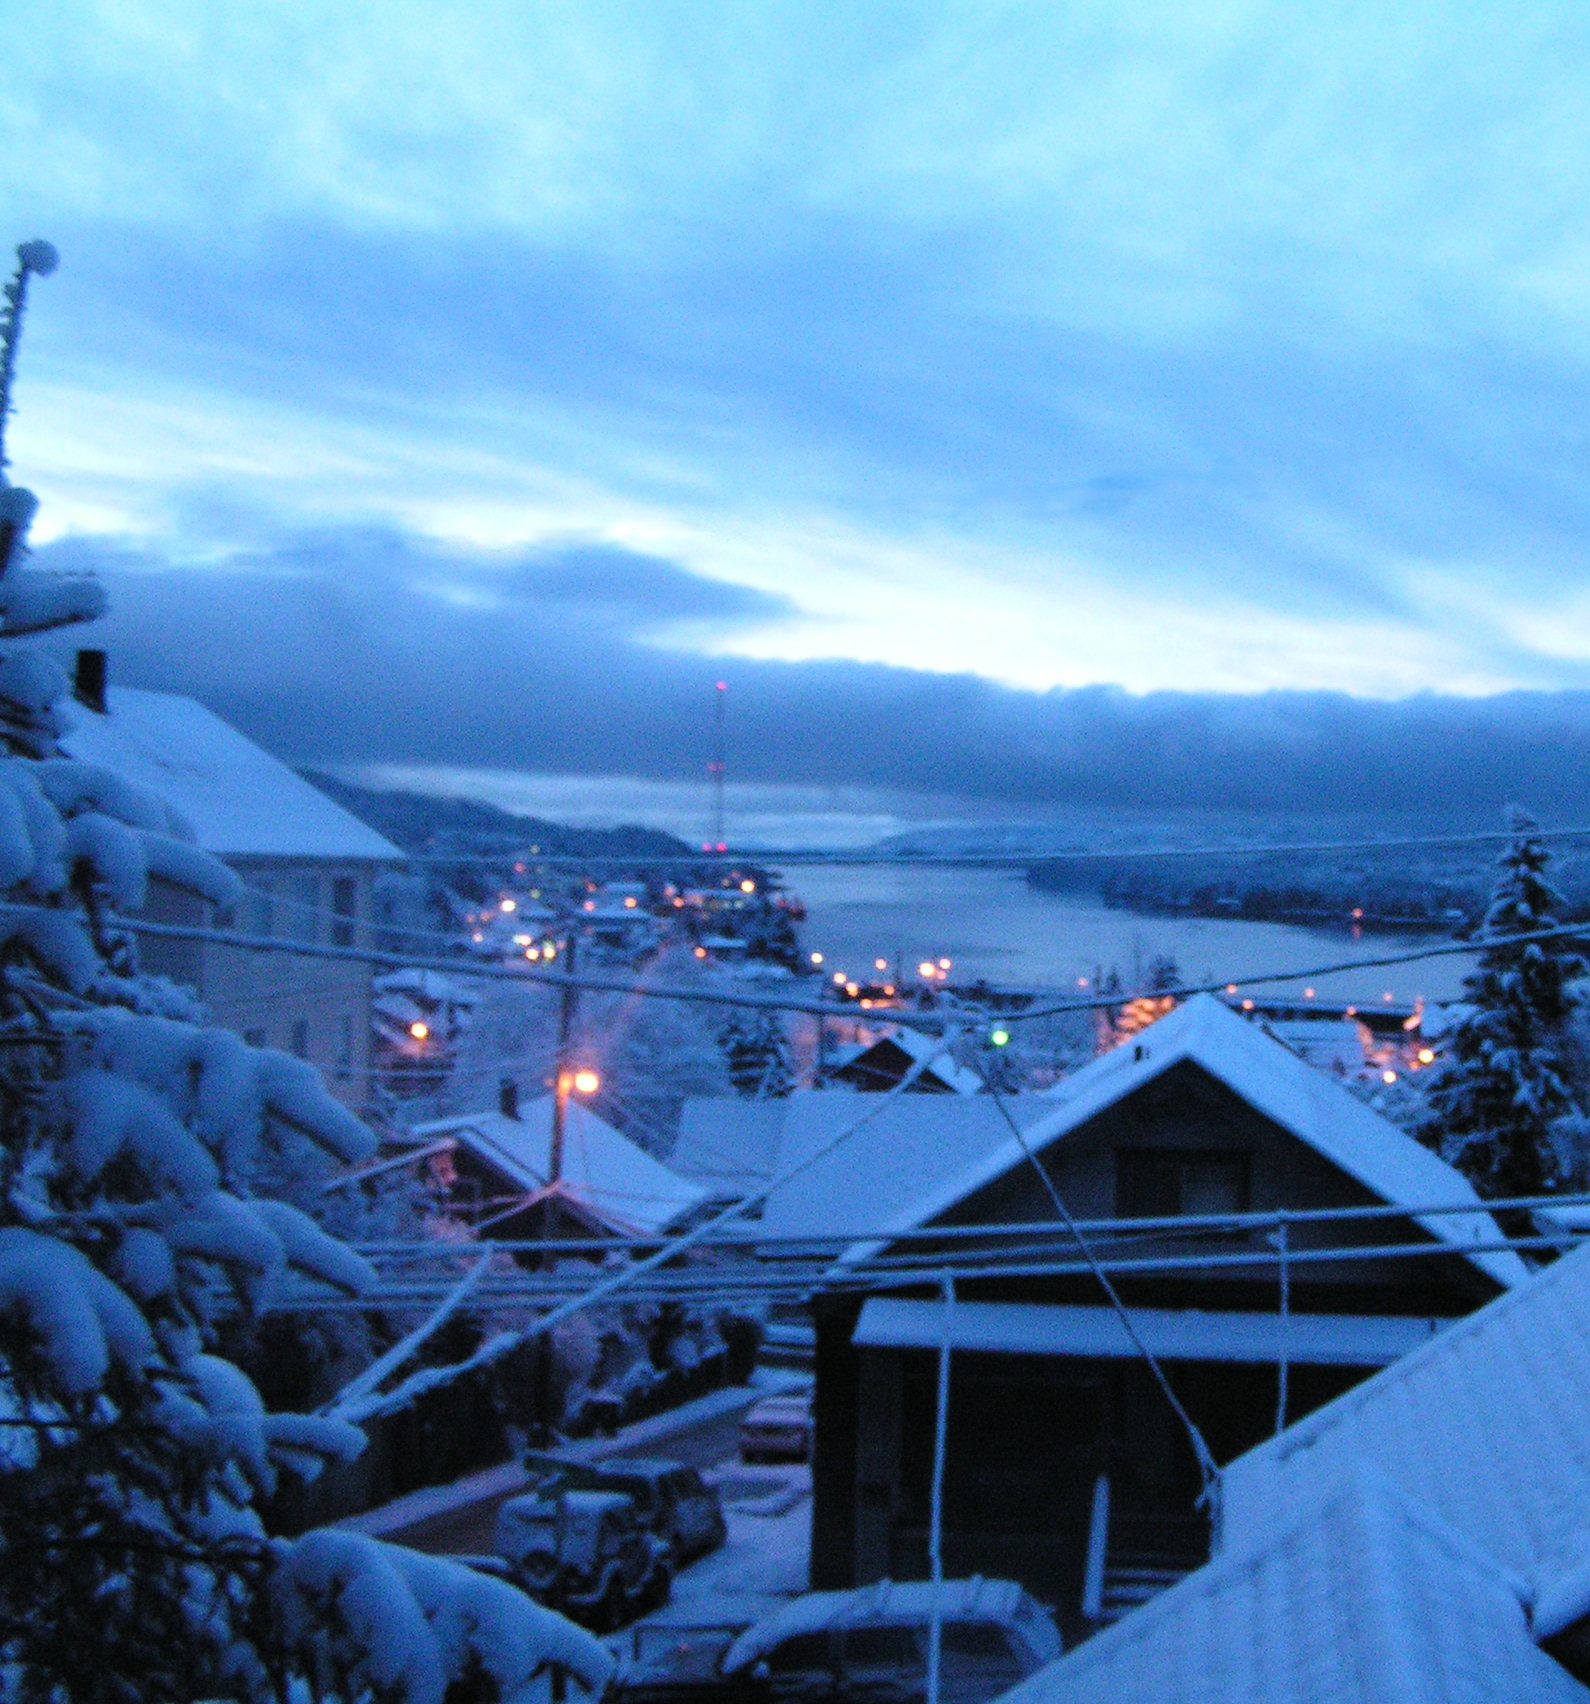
875	1180
239	800
916	1047
1274	1081
603	1171
1364	1598
728	1143
1485	1425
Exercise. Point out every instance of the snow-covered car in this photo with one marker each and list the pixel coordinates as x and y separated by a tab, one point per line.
778	1428
672	1500
868	1646
585	1554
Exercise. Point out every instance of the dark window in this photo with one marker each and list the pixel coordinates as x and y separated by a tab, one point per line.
1162	1183
881	1647
300	1042
254	1037
344	907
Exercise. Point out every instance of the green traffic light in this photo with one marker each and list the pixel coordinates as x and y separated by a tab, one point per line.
1000	1037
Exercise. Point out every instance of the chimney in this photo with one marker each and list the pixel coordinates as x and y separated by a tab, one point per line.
508	1098
88	684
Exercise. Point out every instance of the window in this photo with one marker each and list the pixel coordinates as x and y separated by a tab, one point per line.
254	1037
300	1040
800	1651
345	907
345	1042
1163	1183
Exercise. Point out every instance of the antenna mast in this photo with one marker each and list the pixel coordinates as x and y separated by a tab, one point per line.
715	770
39	257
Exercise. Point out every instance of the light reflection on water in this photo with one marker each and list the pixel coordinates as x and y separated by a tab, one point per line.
991	924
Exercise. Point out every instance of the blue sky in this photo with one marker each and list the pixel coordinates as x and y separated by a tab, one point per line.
1214	348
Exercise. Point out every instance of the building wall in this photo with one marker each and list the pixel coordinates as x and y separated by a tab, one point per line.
318	1009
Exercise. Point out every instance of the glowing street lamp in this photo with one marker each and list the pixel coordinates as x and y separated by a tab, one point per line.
585	1082
420	1031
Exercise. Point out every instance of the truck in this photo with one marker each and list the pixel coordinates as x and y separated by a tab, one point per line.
585	1554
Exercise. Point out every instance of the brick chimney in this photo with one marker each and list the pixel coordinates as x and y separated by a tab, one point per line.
508	1098
88	683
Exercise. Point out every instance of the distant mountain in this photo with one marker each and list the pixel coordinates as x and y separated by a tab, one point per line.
426	825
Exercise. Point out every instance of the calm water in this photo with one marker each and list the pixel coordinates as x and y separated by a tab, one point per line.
989	923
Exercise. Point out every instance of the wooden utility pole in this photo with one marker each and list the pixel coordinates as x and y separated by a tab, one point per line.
563	1082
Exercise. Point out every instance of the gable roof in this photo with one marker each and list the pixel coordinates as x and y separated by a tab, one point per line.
916	1047
239	800
1362	1598
729	1143
604	1173
872	1181
1485	1425
1272	1079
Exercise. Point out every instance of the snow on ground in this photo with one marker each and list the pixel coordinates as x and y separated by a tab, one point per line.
763	1563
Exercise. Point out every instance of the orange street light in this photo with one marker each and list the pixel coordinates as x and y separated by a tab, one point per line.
420	1031
586	1082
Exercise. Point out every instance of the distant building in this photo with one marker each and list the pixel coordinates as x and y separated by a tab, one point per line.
307	865
881	1065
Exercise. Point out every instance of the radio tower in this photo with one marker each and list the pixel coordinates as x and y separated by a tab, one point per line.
715	771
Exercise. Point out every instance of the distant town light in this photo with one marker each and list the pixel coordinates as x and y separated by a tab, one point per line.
852	989
551	951
1247	1005
1388	1076
888	989
839	977
1386	996
701	952
510	905
880	964
590	905
518	869
1352	1011
1082	982
1358	914
1231	988
927	969
723	846
522	940
817	958
866	1005
747	886
944	964
1427	1056
420	1031
532	953
477	936
1000	1038
586	1082
1308	993
630	902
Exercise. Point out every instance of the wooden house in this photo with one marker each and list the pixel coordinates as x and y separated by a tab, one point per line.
1066	1466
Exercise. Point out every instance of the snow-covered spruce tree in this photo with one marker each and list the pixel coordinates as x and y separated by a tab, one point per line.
1503	1105
133	1563
756	1051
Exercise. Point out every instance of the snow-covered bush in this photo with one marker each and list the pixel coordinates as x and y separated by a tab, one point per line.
133	1562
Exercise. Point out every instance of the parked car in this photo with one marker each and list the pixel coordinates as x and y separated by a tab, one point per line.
868	1646
584	1553
778	1428
672	1500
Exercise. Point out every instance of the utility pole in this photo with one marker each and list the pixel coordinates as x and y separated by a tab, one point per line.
563	1082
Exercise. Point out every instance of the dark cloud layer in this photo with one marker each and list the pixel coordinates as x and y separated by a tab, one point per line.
358	648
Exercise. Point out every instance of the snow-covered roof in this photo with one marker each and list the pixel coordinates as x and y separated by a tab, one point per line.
603	1171
917	1047
1274	1081
239	800
1362	1599
907	1148
1171	1334
729	1143
1486	1426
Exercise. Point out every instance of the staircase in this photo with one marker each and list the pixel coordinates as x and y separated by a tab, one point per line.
1134	1556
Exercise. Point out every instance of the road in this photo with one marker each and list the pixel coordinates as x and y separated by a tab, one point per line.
466	1524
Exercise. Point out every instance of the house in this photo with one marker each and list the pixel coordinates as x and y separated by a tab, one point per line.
497	1174
1062	1446
880	1065
307	865
1426	1536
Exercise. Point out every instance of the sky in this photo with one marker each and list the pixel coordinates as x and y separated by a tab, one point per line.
1014	403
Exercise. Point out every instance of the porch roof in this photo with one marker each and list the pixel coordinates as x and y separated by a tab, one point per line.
1171	1334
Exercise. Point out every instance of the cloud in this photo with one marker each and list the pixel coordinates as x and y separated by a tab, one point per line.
358	649
635	593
